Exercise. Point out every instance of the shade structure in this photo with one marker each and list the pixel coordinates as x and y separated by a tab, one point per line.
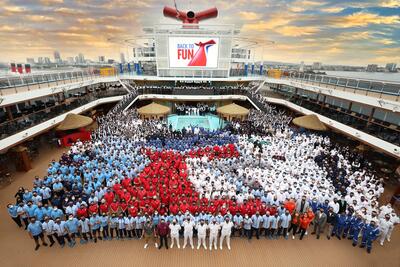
154	110
233	111
310	122
74	121
92	127
362	148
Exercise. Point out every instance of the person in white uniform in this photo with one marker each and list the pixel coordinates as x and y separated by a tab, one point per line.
188	225
226	229
395	220
174	230
201	234
385	224
214	230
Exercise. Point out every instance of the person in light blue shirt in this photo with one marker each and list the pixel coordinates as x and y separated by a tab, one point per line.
247	222
113	225
104	220
30	209
257	220
156	219
45	192
38	213
95	225
58	187
27	196
56	213
237	224
72	226
274	222
12	211
35	231
219	218
285	221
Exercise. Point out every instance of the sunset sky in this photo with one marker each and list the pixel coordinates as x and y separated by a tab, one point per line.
333	32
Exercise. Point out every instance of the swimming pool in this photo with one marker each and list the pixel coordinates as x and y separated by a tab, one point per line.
210	122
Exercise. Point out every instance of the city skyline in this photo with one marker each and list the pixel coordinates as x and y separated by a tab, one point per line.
337	32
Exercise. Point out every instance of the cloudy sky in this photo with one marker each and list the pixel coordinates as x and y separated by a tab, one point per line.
331	31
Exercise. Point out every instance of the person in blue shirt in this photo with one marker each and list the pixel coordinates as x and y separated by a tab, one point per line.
256	224
285	219
35	231
237	224
39	213
72	226
274	226
23	215
27	196
370	233
104	224
30	209
56	213
95	226
45	192
12	211
114	224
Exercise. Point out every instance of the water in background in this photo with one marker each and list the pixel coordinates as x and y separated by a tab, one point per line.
381	76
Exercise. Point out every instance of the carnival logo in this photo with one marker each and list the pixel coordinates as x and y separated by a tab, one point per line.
200	58
193	52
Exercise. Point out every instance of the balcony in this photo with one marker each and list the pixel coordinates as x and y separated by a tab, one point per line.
372	88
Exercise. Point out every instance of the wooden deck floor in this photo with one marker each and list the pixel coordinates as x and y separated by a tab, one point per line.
17	249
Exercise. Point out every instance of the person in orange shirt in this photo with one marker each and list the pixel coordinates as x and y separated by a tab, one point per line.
304	223
310	214
294	224
290	205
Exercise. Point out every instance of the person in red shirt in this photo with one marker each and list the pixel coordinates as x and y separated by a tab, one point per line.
290	205
193	209
304	223
233	209
109	196
114	207
82	211
133	211
243	209
162	232
93	208
123	206
310	214
184	207
212	209
174	208
272	210
155	203
104	207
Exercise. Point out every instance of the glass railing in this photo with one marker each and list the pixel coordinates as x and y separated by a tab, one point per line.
374	88
27	82
30	118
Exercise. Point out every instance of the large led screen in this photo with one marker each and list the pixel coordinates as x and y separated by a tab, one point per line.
193	52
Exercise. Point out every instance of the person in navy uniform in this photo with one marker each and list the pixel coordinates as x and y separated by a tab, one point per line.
370	233
347	224
339	225
355	229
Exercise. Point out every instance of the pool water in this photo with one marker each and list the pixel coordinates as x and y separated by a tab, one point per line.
209	122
